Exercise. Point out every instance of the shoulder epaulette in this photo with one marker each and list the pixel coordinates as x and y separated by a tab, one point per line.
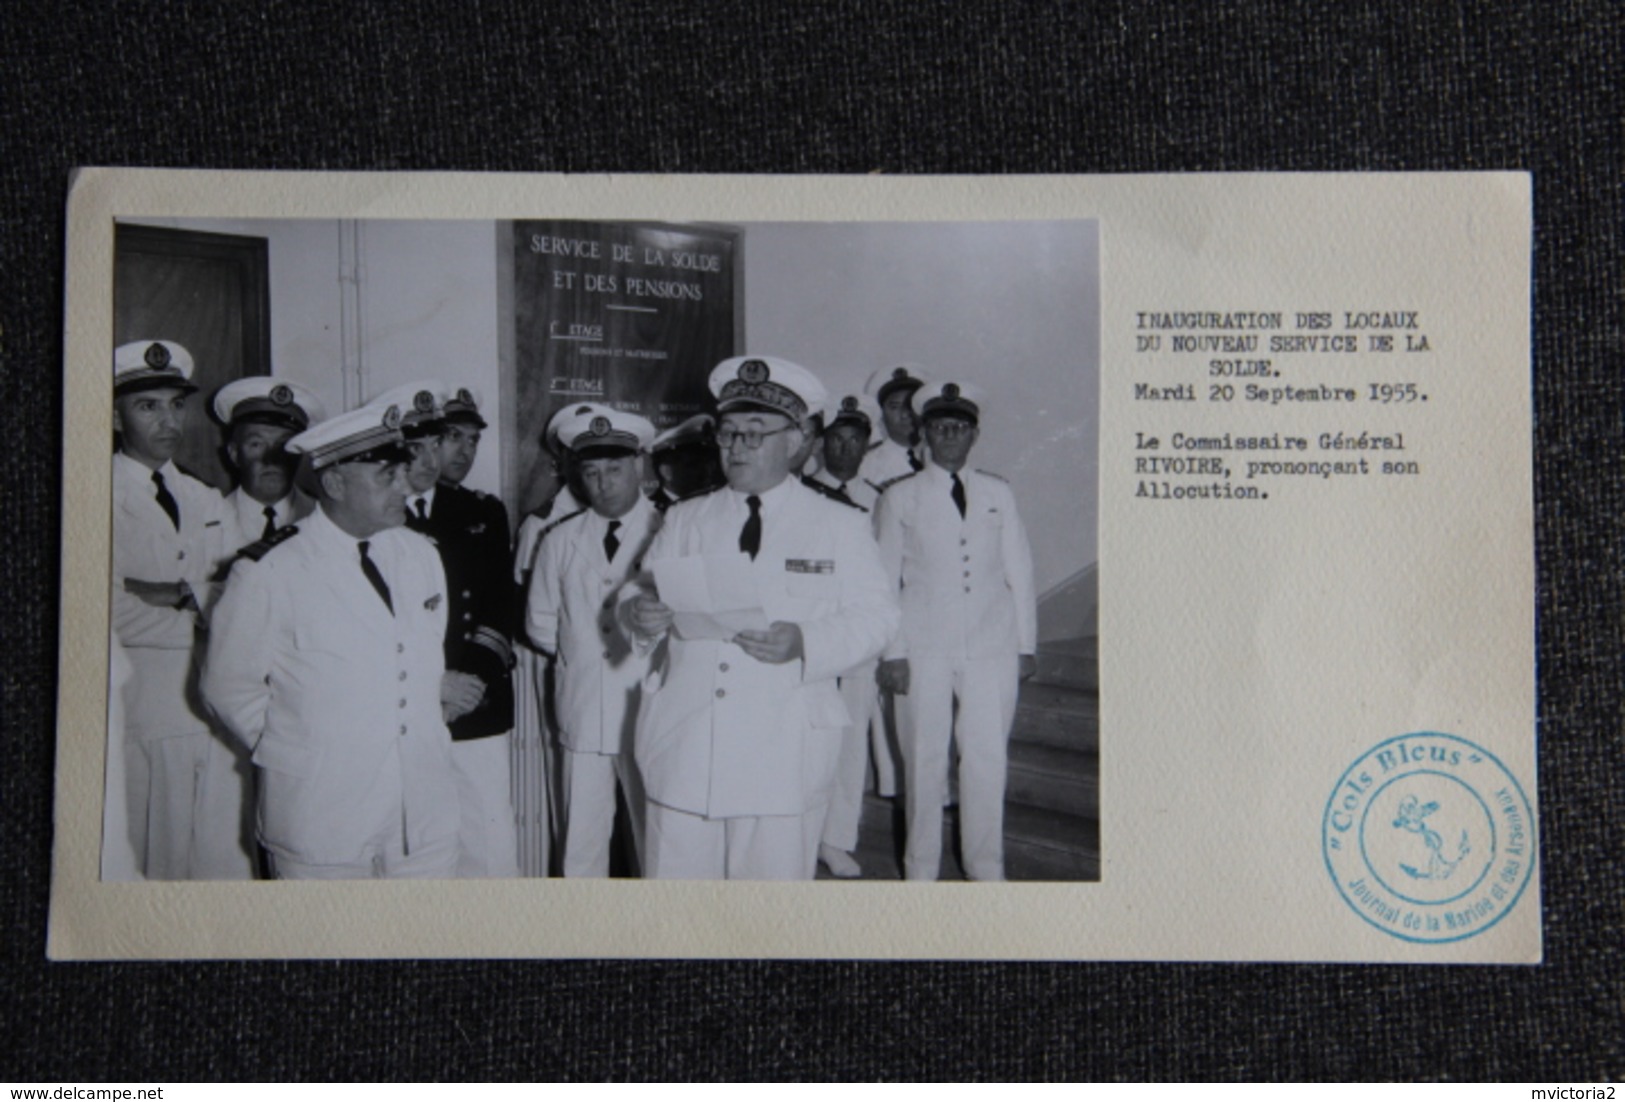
882	487
830	492
990	474
257	550
568	516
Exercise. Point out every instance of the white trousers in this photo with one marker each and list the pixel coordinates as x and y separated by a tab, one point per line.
986	690
680	845
384	858
587	808
188	809
861	696
487	832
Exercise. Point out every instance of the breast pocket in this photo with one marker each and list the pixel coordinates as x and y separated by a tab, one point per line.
812	587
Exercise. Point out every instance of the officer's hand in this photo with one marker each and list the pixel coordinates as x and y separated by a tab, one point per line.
1026	667
892	674
460	693
779	644
649	617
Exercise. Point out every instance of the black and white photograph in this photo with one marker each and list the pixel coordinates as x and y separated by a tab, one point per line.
492	549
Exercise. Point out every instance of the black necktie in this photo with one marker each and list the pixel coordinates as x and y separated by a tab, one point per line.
421	521
750	536
370	569
166	500
270	523
959	496
914	461
612	542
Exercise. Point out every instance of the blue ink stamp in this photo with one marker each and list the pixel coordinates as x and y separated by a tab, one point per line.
1428	837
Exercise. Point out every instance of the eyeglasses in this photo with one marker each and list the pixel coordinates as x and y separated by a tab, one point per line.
947	426
752	437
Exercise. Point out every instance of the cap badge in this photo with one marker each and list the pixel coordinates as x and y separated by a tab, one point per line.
849	404
599	426
282	394
950	391
899	373
423	401
465	396
157	356
392	417
753	372
583	410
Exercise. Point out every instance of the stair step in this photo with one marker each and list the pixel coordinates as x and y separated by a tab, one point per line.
1056	715
1054	779
1079	669
1038	828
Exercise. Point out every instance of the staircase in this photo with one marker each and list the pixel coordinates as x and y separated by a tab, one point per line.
1052	794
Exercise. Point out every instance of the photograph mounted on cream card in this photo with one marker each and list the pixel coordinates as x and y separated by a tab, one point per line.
657	533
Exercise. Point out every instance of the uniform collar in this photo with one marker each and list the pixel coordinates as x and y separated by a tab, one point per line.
428	501
632	518
771	499
252	508
133	469
321	528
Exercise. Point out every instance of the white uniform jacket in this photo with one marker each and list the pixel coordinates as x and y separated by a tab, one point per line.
338	700
570	613
967	584
247	516
721	734
147	547
886	461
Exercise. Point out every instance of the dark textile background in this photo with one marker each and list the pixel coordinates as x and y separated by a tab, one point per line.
845	87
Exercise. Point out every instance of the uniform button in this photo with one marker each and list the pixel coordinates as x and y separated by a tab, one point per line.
400	648
961	541
722	692
466	593
606	654
604	628
180	554
468	615
467	635
967	573
723	667
965	558
967	589
403	702
403	675
403	728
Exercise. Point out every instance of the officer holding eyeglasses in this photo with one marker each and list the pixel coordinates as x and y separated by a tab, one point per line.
738	738
952	542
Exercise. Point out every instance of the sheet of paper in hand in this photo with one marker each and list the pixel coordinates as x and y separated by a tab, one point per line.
712	596
1239	465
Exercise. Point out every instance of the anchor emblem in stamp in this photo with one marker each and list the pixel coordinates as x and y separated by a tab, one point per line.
1428	837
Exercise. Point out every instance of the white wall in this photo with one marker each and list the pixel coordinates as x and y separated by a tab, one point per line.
426	307
1012	307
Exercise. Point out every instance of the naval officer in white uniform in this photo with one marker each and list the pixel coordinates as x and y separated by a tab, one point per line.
953	543
896	448
261	413
738	738
184	800
326	660
853	420
582	562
